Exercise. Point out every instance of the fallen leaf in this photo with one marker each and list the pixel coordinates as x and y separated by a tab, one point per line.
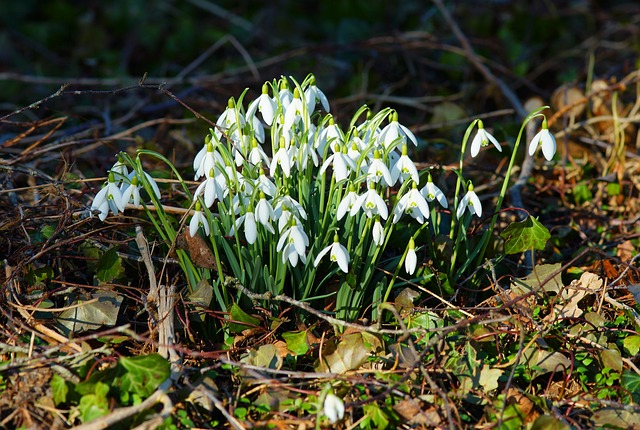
350	353
542	361
102	310
536	279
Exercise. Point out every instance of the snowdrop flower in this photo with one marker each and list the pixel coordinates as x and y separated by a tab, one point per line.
347	202
284	93
250	227
471	201
256	154
377	232
377	170
265	213
482	138
332	135
210	189
286	218
303	154
198	219
368	131
395	133
265	104
412	203
119	170
431	192
283	159
294	112
546	140
293	245
265	184
207	158
131	190
333	408
231	116
131	194
371	204
341	163
404	168
287	201
411	259
108	198
337	254
314	94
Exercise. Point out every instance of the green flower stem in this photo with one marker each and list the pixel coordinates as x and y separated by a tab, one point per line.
465	139
505	184
400	263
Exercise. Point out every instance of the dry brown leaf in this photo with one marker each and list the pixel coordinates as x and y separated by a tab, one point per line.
571	98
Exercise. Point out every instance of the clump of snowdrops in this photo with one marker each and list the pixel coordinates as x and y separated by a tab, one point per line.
291	202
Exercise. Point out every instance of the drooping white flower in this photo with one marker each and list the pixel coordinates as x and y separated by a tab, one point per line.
207	158
371	204
256	154
296	112
210	190
131	191
431	192
119	170
250	227
108	198
412	203
198	219
313	94
333	408
264	213
341	163
404	168
378	232
330	135
395	133
289	202
411	260
286	218
266	185
471	201
283	159
545	139
347	202
131	188
378	170
293	244
284	93
265	104
337	254
482	138
231	117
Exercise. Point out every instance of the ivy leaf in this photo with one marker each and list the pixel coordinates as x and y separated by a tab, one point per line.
144	374
525	235
296	341
631	383
109	266
631	344
241	319
95	404
611	358
59	388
